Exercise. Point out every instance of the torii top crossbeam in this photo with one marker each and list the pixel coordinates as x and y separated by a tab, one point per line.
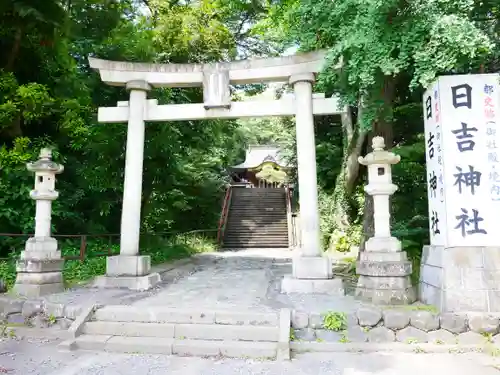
215	80
276	69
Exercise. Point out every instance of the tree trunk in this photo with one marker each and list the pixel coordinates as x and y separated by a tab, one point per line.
14	52
354	139
381	127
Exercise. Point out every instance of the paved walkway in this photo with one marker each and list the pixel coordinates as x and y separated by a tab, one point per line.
243	280
42	358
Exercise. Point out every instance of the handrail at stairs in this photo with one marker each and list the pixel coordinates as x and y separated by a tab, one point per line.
223	215
289	219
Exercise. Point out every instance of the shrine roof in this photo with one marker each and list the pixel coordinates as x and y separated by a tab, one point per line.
258	154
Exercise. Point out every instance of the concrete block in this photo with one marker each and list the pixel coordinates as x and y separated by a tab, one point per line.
453	323
369	316
463	300
258	350
73	311
463	257
315	321
39	278
384	282
146	345
483	324
356	334
283	347
441	336
383	244
32	308
387	269
430	295
381	334
491	258
35	291
312	268
38	266
128	265
131	329
300	319
41	248
396	319
411	335
494	300
221	332
373	256
290	285
424	320
247	318
461	278
196	347
432	256
11	305
432	275
54	309
305	334
139	283
385	296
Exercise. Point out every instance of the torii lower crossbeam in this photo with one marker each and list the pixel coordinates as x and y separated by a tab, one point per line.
185	112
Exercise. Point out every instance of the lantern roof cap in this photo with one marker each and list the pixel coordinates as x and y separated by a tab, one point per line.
379	155
45	163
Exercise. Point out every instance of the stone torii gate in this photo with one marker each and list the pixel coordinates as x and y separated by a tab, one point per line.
311	271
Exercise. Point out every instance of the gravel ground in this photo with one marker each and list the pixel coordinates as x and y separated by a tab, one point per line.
41	357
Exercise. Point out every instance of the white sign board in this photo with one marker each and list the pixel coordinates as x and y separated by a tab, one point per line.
462	136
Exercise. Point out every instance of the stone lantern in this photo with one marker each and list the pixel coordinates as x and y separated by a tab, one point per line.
39	270
383	268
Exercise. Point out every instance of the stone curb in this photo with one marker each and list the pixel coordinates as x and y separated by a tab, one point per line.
305	347
285	322
75	329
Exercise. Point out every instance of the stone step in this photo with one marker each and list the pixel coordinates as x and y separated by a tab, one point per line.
253	198
259	202
183	331
251	245
258	217
122	313
259	208
255	229
257	220
156	345
256	236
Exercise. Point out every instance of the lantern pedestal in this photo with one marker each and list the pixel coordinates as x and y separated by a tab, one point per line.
383	268
39	269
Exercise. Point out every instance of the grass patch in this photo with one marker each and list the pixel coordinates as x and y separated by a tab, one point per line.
162	249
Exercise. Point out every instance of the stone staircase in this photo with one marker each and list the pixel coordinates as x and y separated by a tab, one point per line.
161	330
257	219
